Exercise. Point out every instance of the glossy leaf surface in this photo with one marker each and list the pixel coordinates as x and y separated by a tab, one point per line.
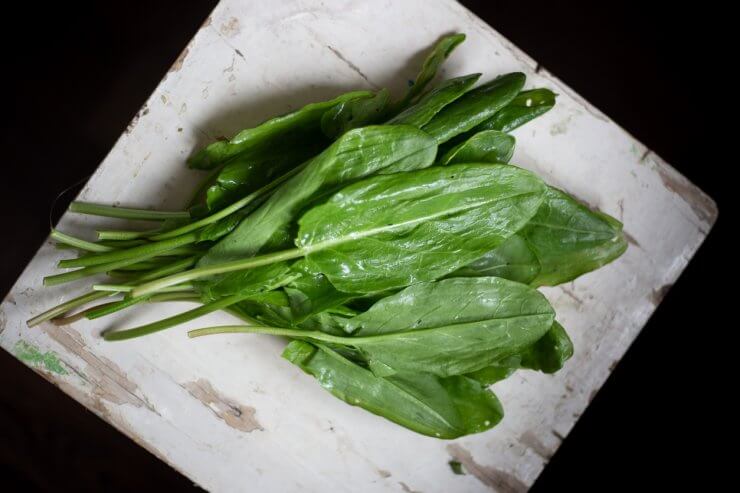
488	146
451	327
547	355
438	407
354	113
525	107
358	153
269	133
431	103
474	107
391	231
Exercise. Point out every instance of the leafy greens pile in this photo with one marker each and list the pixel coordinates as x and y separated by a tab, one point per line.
390	241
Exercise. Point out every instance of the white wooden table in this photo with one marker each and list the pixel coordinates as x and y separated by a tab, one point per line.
227	411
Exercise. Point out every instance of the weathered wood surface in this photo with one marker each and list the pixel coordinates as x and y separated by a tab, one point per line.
227	411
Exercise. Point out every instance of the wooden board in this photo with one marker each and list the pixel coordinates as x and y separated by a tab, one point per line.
227	411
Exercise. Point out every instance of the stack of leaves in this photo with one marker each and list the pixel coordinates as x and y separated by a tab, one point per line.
389	241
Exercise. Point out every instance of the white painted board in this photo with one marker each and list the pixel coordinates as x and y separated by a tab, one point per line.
227	411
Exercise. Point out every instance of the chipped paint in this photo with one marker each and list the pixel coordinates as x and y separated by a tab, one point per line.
105	379
230	28
135	120
530	440
235	415
702	205
32	356
407	489
657	296
496	479
3	318
570	294
180	60
384	474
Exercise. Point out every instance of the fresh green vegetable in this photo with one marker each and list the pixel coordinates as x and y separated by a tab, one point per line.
499	318
474	107
487	146
564	240
388	240
355	113
547	355
269	134
364	242
431	64
356	154
431	103
439	407
525	107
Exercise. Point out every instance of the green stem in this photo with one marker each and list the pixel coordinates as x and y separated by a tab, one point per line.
121	243
108	308
183	296
275	331
67	306
137	253
78	242
88	271
117	235
144	265
125	212
227	211
63	308
125	288
223	268
93	259
172	321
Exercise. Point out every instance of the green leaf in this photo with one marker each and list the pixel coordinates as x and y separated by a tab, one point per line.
431	103
391	231
438	407
547	355
245	282
247	173
450	327
569	239
474	107
433	61
312	293
270	133
444	328
358	153
354	113
488	146
526	106
221	228
550	353
497	371
564	240
513	260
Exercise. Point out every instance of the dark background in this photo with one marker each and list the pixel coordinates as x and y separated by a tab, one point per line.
74	74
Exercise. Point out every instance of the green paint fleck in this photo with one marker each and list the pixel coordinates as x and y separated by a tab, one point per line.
30	354
456	467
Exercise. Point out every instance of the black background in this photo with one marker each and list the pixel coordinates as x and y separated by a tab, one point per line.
74	74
